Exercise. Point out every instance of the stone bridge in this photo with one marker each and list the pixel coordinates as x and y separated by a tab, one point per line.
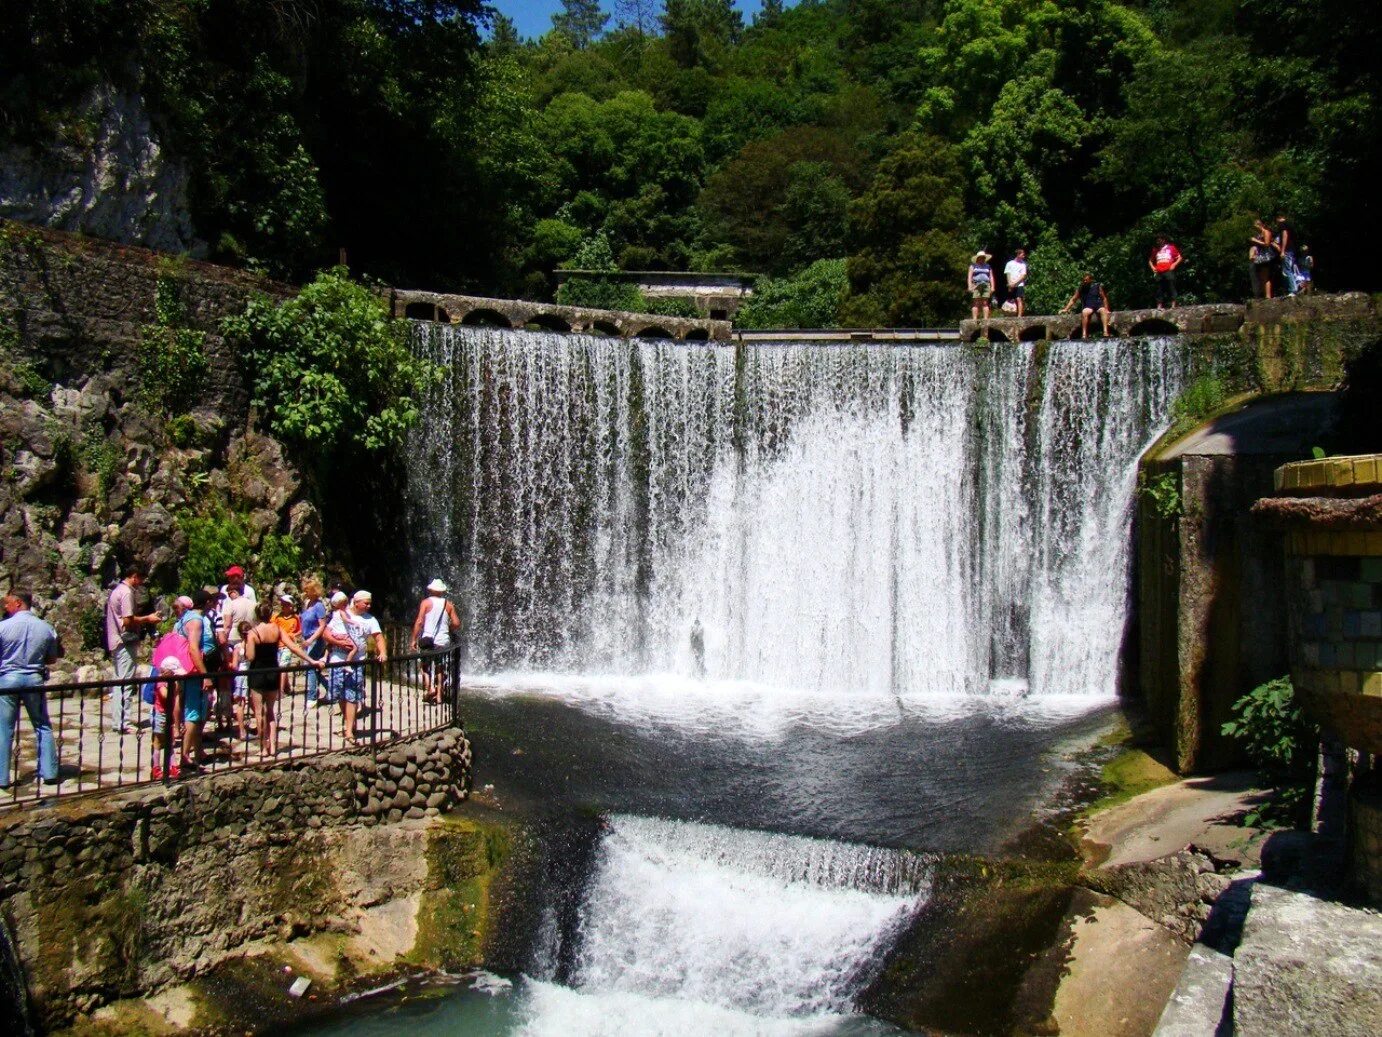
1183	320
540	316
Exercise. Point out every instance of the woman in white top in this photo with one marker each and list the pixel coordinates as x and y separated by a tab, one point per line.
434	628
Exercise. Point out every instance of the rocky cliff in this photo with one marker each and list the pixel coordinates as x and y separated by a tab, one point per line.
104	172
97	468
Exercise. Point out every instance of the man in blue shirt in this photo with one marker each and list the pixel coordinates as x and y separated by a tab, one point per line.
27	646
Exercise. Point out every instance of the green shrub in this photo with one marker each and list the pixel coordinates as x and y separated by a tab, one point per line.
1164	493
215	542
810	298
171	358
1281	741
331	368
279	558
101	457
91	624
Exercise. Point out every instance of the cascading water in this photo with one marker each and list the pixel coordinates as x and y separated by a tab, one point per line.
901	520
696	925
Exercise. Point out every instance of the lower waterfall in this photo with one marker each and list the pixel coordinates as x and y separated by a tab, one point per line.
699	926
884	519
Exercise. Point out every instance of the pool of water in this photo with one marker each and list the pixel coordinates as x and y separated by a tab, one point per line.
759	851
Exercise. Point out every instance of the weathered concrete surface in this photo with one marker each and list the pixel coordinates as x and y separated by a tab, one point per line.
1122	968
1307	966
1199	1003
519	313
1199	811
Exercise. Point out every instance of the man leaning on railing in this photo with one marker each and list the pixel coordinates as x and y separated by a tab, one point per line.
27	647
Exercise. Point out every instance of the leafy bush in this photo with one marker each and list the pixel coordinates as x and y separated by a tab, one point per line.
1164	493
221	538
1201	398
332	371
171	357
810	298
600	293
215	542
1280	740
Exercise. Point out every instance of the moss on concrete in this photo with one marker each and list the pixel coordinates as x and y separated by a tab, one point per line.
1130	773
455	920
96	924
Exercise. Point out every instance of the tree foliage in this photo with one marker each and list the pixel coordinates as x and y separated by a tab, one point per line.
331	369
901	134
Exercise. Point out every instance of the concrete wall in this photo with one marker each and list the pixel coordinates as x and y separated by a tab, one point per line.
120	896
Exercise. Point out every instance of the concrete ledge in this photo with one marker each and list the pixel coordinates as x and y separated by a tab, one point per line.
519	313
1200	1000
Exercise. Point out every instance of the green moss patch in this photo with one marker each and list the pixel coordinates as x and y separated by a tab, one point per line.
455	921
1129	774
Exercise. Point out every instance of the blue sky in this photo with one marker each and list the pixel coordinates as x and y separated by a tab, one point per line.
534	17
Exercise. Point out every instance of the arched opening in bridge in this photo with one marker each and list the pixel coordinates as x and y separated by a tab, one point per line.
425	311
977	336
1153	326
1035	333
548	322
698	335
603	327
653	331
994	335
486	319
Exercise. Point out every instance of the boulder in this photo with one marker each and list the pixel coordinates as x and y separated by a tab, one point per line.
152	536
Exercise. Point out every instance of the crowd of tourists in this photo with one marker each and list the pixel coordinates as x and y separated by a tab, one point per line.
1278	264
221	658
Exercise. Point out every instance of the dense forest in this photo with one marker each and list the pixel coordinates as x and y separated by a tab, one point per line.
854	152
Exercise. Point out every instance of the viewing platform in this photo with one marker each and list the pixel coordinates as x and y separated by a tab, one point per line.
1216	318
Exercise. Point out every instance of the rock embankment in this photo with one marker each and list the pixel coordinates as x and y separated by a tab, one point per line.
122	896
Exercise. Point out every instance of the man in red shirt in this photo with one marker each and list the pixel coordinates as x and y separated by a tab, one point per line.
1163	262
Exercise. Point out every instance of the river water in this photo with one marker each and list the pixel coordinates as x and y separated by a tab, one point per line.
791	618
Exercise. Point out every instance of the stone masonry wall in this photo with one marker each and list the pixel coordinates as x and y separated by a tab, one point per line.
120	896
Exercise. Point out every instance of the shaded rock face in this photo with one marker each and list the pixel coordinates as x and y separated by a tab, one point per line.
104	174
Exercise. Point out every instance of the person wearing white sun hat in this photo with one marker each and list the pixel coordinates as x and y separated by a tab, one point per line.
980	282
434	628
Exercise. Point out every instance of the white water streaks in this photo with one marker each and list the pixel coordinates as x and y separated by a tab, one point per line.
735	928
873	521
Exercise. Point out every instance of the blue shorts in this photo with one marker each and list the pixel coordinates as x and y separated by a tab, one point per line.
193	701
345	684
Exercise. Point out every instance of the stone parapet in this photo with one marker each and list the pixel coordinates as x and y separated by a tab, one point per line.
1213	319
519	313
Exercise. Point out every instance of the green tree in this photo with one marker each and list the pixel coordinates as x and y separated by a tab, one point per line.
331	370
581	21
700	31
810	298
909	260
504	40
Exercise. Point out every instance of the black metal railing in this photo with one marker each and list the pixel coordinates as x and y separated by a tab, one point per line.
406	695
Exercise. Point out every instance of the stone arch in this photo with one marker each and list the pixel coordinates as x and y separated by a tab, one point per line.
1033	333
698	335
484	318
653	331
425	311
977	335
603	327
548	322
996	335
1154	326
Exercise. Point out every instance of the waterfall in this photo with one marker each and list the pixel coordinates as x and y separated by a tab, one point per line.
845	519
717	926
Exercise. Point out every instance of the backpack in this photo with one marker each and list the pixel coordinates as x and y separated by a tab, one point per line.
173	645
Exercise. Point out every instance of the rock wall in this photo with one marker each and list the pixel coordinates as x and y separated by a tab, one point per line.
102	173
95	477
121	896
